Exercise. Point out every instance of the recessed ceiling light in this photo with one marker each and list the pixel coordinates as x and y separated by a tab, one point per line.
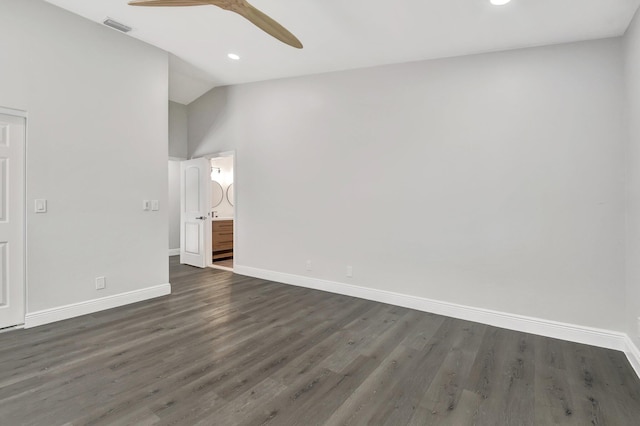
233	56
499	2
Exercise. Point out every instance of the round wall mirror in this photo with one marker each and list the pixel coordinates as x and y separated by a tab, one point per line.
230	196
217	193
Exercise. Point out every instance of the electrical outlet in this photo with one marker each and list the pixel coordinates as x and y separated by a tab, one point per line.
101	283
349	271
308	265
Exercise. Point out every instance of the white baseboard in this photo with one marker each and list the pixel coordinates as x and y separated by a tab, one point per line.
574	333
47	316
633	354
174	252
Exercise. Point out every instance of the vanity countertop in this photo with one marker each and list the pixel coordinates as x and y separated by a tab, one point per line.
215	219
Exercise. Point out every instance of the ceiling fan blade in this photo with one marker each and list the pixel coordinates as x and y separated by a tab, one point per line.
266	24
168	3
241	7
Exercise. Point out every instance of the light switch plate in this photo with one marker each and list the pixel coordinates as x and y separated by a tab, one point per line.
155	206
101	283
146	205
41	206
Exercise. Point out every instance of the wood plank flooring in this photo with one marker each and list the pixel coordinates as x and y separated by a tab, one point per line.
230	350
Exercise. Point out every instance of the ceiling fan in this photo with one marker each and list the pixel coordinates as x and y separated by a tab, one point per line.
241	7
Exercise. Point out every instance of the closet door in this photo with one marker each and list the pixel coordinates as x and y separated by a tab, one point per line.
12	235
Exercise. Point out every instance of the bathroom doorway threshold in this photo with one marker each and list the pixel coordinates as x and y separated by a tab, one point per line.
221	267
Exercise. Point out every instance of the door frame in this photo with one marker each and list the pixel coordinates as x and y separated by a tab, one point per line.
25	292
209	156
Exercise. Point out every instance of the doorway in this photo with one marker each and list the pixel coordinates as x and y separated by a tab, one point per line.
12	217
207	211
222	211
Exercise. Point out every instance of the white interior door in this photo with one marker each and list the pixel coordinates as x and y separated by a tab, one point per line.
195	223
12	284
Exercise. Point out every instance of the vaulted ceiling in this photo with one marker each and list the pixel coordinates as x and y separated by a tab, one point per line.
339	34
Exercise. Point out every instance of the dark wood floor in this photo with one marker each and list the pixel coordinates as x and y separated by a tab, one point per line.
229	350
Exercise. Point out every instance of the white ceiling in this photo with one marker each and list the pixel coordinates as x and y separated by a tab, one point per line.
341	34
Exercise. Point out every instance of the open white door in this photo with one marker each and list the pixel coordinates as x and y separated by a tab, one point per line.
12	284
195	223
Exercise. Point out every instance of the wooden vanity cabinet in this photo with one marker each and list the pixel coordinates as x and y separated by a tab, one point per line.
222	239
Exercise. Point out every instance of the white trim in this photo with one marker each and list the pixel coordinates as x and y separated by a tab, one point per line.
633	354
574	333
177	159
174	252
215	154
47	316
25	177
14	112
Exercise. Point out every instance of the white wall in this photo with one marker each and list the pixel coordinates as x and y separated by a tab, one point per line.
178	130
178	149
174	205
492	181
632	73
97	146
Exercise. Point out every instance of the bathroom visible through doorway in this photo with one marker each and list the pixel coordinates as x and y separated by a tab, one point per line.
222	212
